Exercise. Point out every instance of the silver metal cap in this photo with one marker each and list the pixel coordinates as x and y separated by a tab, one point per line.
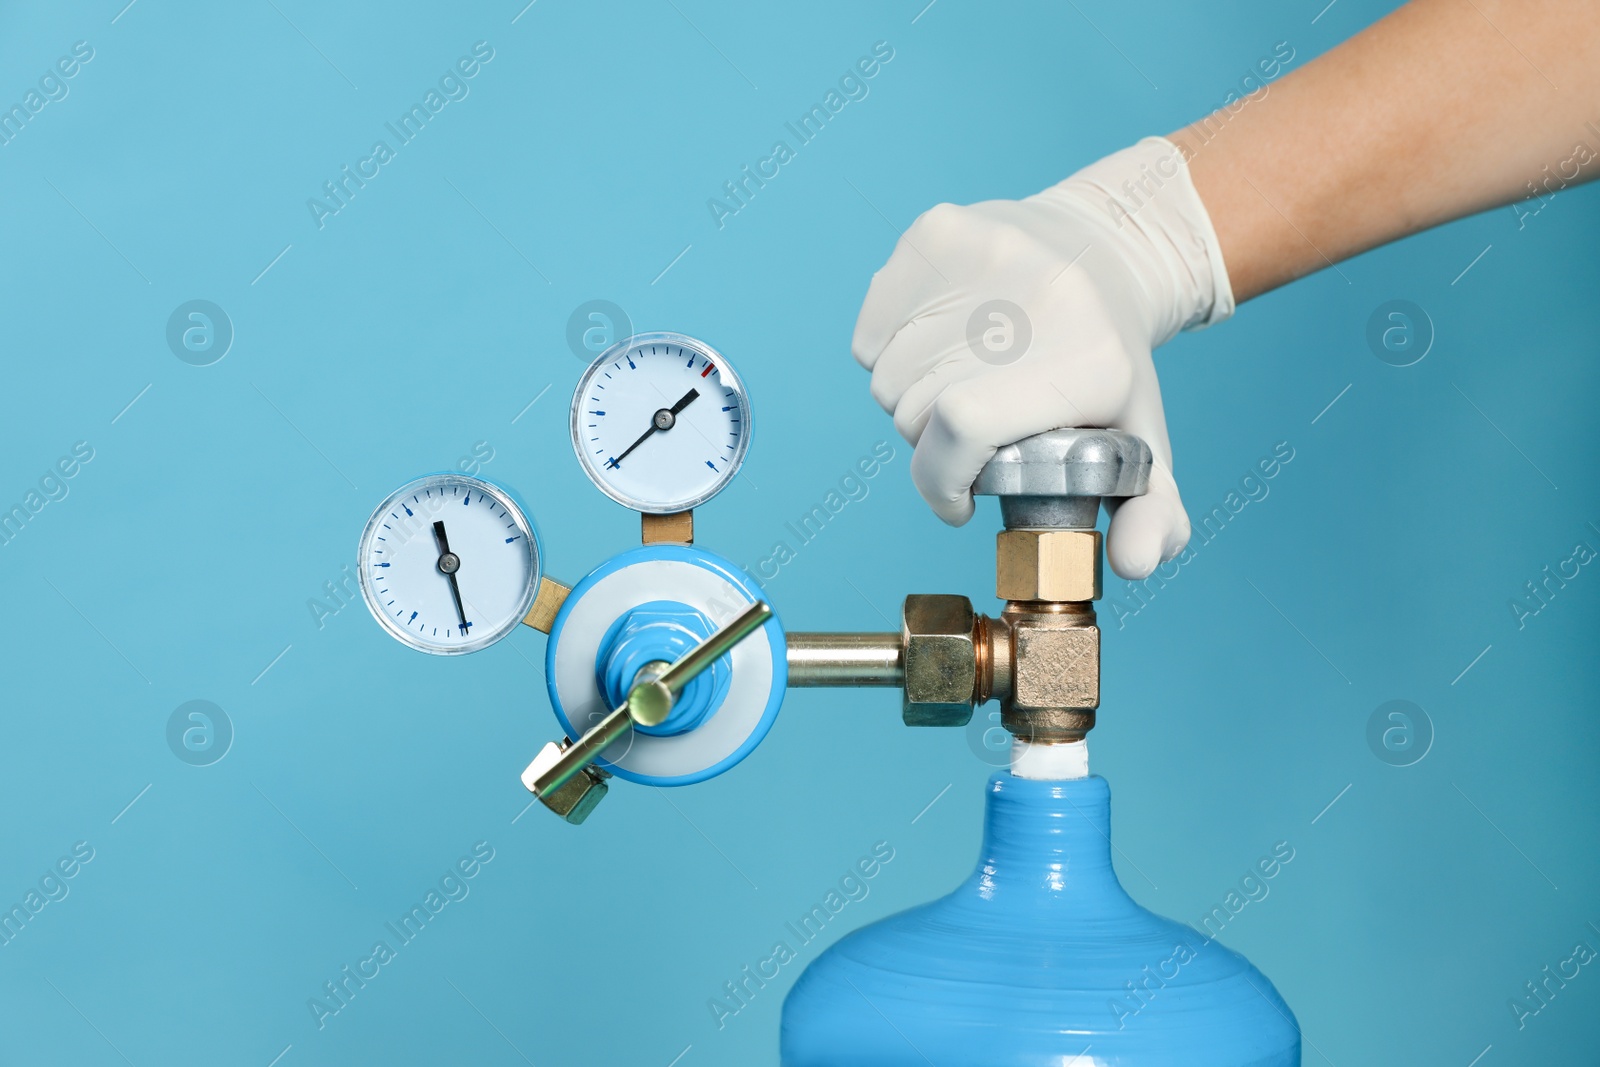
1054	480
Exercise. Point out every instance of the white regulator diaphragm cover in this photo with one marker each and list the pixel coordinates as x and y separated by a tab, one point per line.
702	582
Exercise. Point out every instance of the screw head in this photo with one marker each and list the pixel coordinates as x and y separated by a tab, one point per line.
649	703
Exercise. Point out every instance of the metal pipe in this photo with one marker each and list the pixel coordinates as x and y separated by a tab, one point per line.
823	659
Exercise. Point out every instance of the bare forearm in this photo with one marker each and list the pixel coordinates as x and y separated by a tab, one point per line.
1440	110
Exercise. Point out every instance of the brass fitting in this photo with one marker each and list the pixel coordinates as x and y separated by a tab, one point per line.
575	798
1050	580
938	634
1053	565
578	797
1055	682
1048	568
1041	657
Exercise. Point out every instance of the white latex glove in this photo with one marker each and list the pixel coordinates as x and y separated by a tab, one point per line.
1103	267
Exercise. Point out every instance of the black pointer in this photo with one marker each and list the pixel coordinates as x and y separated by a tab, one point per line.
449	563
663	419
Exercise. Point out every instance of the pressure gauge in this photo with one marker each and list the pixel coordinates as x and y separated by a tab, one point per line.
660	422
449	564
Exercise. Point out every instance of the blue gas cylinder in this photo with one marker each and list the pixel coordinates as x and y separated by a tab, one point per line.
1040	959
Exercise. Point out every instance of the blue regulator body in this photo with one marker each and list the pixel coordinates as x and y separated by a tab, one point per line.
651	605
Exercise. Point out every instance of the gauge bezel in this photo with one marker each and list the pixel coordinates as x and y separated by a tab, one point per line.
487	637
725	374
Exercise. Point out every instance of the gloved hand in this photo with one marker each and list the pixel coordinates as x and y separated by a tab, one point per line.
1093	273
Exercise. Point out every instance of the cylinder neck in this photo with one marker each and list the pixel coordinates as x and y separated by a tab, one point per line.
1047	844
1052	762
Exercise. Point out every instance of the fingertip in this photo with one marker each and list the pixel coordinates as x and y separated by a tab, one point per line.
870	334
952	509
859	350
881	391
953	506
889	304
1139	532
956	512
1177	538
1131	563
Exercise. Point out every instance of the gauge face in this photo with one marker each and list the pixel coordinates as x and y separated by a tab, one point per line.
449	564
660	422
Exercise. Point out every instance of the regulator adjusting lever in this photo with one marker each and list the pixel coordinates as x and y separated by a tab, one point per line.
550	776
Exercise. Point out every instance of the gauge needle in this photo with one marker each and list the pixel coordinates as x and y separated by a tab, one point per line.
449	563
663	419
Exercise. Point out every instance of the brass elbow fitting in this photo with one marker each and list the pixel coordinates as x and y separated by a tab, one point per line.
1040	658
1050	580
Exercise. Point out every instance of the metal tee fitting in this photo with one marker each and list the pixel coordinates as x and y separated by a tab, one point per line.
1041	657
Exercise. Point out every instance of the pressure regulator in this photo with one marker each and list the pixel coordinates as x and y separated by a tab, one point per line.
663	665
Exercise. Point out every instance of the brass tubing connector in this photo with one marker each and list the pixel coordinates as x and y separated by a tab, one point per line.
1040	659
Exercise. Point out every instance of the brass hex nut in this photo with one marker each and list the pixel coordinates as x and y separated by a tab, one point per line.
941	660
1055	565
577	798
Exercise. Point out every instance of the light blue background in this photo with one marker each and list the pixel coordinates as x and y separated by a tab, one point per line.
415	324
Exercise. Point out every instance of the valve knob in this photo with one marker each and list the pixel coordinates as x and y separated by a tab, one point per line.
1055	480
